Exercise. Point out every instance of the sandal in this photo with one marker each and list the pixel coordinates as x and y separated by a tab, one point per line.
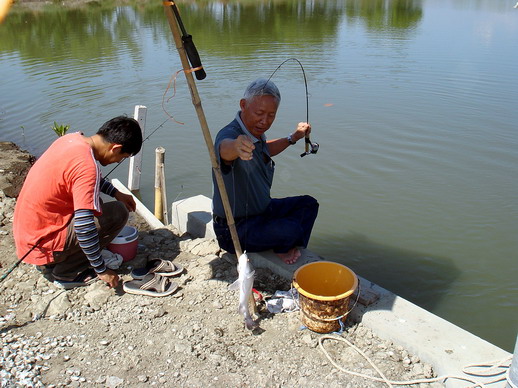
83	279
150	285
160	267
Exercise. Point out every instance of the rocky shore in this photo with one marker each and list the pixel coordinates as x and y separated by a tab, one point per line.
96	336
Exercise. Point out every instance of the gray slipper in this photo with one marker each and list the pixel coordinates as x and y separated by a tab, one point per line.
160	267
151	285
83	279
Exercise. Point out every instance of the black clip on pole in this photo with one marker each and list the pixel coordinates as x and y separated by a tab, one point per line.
311	148
189	46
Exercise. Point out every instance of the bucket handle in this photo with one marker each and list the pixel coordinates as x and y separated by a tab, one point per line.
331	319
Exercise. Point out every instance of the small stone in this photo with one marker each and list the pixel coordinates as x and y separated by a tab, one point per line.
427	371
104	342
142	378
113	381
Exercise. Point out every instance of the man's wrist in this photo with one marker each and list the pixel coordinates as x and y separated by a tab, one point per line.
291	140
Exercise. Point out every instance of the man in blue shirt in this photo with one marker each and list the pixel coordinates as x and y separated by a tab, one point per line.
245	157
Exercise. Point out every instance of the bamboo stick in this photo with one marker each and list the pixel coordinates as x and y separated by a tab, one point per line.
204	126
173	24
164	195
159	163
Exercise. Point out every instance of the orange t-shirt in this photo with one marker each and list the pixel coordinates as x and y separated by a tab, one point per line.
64	179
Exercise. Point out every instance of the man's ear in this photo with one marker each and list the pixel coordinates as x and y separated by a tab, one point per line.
242	104
116	148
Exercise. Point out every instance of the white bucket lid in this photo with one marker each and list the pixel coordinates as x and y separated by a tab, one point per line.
126	235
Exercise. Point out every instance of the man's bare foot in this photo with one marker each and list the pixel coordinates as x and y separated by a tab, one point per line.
291	256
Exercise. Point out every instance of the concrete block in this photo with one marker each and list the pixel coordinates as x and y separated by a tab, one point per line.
194	216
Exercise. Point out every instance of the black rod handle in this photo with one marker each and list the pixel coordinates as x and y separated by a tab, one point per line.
193	56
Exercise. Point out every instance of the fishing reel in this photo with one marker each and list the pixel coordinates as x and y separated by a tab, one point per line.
311	147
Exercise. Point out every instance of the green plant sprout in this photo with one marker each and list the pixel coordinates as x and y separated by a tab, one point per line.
60	130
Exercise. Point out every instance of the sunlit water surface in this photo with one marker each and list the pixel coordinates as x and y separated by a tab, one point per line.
414	104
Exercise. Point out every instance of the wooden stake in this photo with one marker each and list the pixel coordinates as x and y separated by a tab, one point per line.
164	195
159	164
135	162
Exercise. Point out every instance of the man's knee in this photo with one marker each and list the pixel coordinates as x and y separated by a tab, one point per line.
116	212
310	202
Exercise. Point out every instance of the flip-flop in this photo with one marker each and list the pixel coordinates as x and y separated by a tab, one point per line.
151	285
160	267
83	279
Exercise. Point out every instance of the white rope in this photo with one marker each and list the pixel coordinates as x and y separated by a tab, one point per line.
503	365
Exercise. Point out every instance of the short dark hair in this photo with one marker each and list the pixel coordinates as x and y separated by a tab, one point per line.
125	131
262	87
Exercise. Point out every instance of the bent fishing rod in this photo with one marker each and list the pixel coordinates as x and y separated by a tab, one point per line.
310	147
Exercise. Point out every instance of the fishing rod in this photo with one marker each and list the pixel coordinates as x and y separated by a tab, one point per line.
310	147
2	278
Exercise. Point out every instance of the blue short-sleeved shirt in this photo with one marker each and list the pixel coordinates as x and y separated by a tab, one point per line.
248	183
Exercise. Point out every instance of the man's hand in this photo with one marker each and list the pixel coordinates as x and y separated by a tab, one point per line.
244	147
302	130
127	200
240	147
109	277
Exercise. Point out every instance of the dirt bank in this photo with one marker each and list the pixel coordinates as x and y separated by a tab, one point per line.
95	336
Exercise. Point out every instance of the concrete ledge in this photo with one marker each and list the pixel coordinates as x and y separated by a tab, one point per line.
434	340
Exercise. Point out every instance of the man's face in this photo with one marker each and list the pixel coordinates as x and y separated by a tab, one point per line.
258	114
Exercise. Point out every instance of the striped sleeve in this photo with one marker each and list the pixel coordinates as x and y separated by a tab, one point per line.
107	188
88	238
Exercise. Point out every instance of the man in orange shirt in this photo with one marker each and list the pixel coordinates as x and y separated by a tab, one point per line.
60	221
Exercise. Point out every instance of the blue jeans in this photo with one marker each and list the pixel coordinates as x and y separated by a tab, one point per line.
286	223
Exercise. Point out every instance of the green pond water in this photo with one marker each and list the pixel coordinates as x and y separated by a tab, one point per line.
414	104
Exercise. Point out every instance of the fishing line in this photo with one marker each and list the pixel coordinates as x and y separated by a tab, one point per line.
169	116
314	146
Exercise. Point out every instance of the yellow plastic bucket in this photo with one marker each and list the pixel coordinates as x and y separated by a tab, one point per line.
324	290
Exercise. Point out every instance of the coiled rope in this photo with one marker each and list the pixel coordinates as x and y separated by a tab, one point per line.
495	368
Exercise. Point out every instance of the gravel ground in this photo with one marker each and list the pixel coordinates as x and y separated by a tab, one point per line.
96	336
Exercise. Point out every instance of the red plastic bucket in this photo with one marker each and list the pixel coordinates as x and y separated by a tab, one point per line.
126	243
